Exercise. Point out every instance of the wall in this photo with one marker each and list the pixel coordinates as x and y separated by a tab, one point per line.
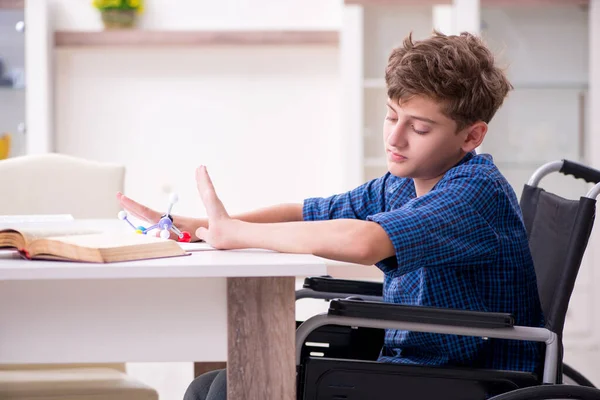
263	120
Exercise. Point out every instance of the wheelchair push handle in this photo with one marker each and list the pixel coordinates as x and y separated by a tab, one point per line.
580	171
566	167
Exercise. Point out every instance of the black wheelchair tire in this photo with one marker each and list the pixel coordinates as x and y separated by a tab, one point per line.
545	392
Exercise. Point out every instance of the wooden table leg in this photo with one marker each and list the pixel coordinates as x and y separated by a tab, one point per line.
206	366
261	329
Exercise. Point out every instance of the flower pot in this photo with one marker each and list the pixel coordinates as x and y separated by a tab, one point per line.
118	19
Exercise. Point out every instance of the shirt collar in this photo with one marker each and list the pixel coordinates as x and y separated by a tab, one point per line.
468	157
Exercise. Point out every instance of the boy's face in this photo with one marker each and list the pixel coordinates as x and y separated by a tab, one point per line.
420	141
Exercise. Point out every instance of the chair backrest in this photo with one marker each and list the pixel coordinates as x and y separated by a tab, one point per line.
558	230
59	184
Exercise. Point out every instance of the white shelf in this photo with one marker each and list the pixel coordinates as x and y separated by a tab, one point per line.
11	89
139	37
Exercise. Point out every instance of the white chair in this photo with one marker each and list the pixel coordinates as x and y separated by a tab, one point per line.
62	184
59	184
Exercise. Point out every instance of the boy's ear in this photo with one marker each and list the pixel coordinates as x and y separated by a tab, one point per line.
475	134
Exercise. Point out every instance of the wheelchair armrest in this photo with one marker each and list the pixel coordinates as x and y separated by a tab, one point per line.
419	314
332	285
434	320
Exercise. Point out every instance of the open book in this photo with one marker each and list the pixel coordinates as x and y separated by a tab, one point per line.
87	246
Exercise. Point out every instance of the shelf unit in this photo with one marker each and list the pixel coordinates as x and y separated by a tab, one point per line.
370	30
551	89
12	98
12	4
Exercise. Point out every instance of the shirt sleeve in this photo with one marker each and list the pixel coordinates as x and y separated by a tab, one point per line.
358	203
451	224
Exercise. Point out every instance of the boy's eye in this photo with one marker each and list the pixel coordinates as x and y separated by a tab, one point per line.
390	118
418	131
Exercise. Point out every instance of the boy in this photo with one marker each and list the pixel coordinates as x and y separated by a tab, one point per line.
443	224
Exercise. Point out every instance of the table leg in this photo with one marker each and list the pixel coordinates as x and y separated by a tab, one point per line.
261	329
207	366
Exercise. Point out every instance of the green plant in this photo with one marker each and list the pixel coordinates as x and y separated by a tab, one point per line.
129	5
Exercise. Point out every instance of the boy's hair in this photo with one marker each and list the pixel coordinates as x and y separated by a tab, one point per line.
457	71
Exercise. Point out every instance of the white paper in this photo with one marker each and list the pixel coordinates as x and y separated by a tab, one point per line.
35	218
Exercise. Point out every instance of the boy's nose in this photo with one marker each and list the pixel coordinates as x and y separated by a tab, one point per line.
397	137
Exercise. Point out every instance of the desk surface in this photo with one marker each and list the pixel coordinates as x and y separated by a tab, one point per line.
193	308
204	263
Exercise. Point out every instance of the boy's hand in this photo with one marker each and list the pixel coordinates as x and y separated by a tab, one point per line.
138	210
149	215
221	227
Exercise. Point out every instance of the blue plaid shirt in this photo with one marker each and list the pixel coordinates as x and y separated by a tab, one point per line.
462	245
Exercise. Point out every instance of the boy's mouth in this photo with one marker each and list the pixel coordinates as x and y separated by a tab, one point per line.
395	156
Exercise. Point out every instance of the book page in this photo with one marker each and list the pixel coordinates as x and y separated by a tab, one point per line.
103	247
107	240
40	226
39	231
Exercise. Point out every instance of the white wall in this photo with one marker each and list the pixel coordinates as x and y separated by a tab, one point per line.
264	120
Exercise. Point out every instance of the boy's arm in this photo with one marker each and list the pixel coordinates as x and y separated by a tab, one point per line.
357	204
277	213
349	240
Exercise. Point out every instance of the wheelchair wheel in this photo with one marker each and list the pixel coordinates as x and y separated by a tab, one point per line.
551	392
575	376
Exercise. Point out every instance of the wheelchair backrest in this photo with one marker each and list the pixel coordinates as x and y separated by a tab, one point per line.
558	230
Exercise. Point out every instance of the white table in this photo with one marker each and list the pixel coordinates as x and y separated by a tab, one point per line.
210	306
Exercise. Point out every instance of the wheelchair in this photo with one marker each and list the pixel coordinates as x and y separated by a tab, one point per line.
336	352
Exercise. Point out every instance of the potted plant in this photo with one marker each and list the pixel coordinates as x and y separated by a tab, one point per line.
117	14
